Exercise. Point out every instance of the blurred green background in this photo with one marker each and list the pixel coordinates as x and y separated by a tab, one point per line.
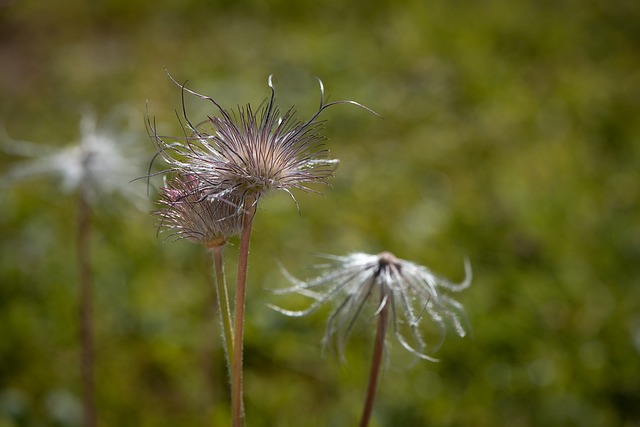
510	136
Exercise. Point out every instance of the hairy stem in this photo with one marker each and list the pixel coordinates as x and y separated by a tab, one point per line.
85	319
238	332
222	297
376	361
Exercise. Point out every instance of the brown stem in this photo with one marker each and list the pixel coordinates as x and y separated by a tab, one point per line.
376	361
86	328
238	329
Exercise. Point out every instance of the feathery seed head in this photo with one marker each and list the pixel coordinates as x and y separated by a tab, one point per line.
192	214
246	154
409	291
99	164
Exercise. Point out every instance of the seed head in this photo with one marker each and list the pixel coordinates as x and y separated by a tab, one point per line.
245	154
192	214
409	291
99	164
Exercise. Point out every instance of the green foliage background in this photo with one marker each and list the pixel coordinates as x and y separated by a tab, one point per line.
510	136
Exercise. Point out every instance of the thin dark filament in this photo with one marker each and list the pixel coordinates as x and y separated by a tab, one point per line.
192	128
363	295
225	140
331	328
207	98
338	312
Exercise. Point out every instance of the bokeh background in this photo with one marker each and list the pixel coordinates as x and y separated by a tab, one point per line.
510	135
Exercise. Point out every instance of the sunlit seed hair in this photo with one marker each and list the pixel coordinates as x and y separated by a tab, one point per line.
247	153
189	213
359	281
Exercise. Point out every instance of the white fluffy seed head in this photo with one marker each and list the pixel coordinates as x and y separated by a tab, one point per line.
411	293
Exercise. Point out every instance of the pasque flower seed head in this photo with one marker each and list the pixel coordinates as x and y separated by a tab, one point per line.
410	293
190	213
244	154
99	164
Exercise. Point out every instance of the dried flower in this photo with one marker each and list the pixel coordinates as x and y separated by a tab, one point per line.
190	213
407	290
100	163
246	154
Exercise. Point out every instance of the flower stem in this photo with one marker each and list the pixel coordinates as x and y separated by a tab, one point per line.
222	297
85	318
376	361
238	332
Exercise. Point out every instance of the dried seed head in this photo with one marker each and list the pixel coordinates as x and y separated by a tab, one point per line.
192	214
99	164
245	154
408	289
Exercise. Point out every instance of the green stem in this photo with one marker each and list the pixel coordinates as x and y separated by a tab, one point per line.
85	309
222	297
238	332
376	361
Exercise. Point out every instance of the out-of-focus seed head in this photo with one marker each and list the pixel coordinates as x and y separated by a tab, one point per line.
100	164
